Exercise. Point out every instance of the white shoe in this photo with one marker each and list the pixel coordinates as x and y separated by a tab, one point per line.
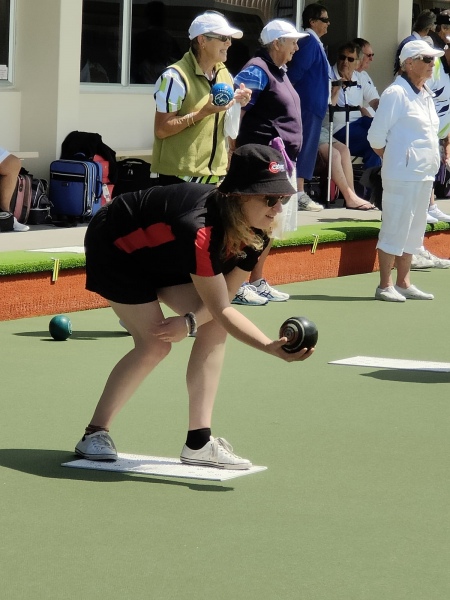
97	446
20	226
413	293
389	294
216	453
248	296
435	212
425	256
304	202
266	291
421	262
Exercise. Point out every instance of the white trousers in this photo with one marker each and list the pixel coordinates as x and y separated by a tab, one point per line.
404	217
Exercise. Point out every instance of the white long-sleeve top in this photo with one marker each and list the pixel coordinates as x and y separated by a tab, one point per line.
406	125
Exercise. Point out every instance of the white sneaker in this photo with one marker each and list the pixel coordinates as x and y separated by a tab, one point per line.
20	226
96	446
436	262
266	291
437	213
421	262
304	202
389	294
413	293
248	296
216	453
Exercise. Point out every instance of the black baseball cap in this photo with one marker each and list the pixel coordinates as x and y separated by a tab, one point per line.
257	169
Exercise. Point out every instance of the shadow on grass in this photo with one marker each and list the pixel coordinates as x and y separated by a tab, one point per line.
325	298
76	335
47	463
410	376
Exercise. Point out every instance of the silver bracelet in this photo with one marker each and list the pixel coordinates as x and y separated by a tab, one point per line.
191	322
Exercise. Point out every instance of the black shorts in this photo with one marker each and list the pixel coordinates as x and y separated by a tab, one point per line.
126	278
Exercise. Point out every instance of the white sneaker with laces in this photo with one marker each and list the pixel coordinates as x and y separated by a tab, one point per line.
268	292
216	453
437	213
436	262
97	446
413	293
389	294
20	226
421	262
248	296
304	202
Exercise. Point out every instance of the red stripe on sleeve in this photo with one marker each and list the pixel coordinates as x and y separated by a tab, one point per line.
204	266
152	236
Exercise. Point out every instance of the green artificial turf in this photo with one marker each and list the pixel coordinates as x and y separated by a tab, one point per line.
25	261
341	231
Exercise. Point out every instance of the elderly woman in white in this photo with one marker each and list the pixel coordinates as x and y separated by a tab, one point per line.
404	133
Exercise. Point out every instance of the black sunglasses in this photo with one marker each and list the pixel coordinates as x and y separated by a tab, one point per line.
323	19
371	55
344	57
426	59
271	201
217	36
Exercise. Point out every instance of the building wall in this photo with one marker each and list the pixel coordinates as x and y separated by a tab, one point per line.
47	101
384	23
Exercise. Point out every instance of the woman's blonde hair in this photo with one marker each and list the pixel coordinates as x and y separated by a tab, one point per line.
238	233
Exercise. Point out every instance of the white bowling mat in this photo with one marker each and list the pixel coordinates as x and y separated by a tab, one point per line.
393	363
162	466
74	249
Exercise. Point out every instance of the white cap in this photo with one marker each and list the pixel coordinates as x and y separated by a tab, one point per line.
418	48
210	22
280	29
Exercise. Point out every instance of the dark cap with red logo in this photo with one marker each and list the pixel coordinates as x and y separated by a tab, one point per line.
257	169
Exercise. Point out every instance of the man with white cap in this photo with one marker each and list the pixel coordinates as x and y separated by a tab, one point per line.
190	131
404	132
273	112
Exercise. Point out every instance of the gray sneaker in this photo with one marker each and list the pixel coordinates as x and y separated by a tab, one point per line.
96	446
304	202
247	295
216	453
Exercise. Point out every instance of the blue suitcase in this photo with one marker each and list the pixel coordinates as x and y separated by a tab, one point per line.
75	188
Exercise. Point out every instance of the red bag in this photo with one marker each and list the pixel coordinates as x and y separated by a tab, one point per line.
106	183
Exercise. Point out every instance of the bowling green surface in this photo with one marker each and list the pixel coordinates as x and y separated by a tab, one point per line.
353	504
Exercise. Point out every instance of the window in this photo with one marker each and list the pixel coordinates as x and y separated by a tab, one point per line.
101	41
5	39
131	41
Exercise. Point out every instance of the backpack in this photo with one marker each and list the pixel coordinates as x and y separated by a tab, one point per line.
21	199
133	174
40	203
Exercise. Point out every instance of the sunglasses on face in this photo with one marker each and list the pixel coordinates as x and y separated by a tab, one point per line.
271	201
217	36
369	55
343	57
323	19
426	59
